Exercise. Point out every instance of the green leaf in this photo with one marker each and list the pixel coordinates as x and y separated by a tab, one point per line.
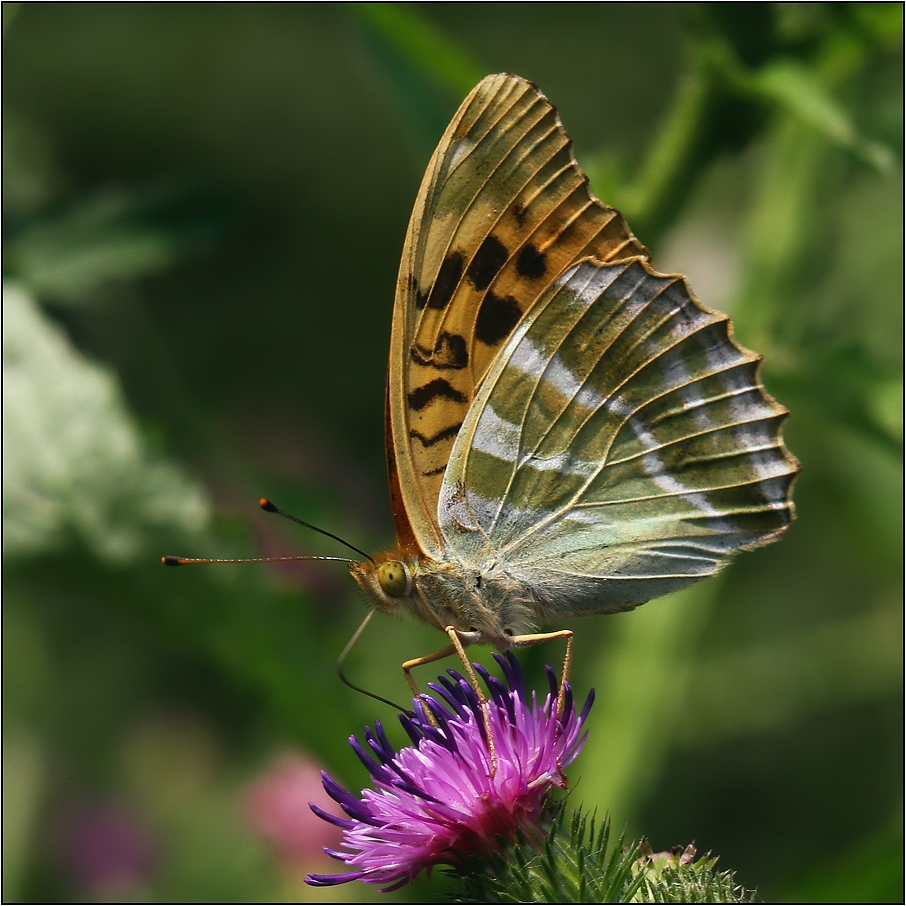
424	45
68	255
793	87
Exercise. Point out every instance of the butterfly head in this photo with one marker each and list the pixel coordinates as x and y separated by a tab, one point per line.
387	581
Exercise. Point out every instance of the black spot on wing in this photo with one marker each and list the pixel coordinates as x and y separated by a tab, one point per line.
421	297
446	434
438	388
448	278
496	318
520	213
531	263
449	352
488	260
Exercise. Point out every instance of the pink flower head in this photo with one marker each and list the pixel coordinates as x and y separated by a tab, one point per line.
106	845
275	807
439	801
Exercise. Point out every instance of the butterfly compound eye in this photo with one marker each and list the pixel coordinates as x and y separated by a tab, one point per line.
395	579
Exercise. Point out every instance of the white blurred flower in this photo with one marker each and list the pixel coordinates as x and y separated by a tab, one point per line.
74	463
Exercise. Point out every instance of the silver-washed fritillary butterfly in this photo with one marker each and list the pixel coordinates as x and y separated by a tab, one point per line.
569	432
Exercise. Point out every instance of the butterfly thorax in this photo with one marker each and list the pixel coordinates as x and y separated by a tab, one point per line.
485	604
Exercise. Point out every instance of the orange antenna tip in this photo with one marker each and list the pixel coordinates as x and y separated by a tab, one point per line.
265	504
171	561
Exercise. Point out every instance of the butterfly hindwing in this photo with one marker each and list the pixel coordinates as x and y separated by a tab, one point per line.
503	209
621	446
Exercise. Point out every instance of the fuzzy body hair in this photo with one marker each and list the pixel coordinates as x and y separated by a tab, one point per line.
488	604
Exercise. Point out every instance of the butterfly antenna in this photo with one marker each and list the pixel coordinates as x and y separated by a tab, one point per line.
187	561
269	507
342	659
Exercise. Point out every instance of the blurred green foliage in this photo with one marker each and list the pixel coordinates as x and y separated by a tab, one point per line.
204	207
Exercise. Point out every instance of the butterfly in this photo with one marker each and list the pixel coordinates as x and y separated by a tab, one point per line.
569	432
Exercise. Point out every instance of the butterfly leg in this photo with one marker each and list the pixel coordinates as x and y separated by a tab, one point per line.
408	666
461	651
537	638
456	647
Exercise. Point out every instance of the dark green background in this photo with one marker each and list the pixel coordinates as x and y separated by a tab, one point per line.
271	154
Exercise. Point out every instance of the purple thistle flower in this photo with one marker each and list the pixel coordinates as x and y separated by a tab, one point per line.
439	801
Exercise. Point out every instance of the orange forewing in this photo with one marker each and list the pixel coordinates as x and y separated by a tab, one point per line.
502	210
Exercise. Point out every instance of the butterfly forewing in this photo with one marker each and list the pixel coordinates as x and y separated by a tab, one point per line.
621	446
503	210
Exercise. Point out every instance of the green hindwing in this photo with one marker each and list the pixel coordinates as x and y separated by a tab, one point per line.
621	446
